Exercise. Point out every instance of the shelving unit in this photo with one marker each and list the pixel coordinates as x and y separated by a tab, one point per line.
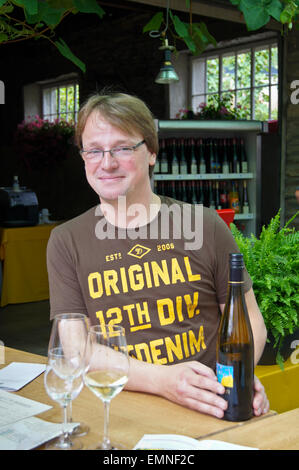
249	131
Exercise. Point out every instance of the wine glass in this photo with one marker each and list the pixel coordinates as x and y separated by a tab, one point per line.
70	330
106	368
63	381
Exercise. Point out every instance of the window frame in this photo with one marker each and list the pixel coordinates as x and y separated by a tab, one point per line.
236	47
56	85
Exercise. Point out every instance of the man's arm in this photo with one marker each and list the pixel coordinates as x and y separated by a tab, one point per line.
257	324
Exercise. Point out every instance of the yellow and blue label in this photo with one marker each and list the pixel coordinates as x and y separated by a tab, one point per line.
225	375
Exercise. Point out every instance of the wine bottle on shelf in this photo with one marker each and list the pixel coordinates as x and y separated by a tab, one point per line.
163	159
225	163
223	195
200	193
236	163
235	347
217	196
211	196
216	157
175	166
245	206
183	160
244	164
172	192
193	193
193	160
202	162
184	193
212	158
233	198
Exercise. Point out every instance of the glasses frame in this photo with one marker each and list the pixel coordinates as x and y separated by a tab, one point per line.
98	155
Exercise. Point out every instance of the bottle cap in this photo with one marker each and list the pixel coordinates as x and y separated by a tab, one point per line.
236	260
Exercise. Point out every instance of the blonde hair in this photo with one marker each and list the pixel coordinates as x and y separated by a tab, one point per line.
126	112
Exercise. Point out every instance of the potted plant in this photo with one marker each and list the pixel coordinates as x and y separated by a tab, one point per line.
272	261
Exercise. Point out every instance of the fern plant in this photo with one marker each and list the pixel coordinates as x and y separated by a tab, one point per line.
272	261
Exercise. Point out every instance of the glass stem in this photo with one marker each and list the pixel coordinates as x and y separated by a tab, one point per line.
65	438
106	440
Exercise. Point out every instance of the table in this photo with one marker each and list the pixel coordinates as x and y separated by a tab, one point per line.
132	414
279	432
23	252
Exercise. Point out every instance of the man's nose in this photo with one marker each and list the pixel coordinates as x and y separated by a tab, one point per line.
108	162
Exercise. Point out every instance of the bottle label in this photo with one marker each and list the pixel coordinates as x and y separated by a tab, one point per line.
225	375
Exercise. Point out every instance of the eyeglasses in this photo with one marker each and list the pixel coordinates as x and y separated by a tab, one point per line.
96	155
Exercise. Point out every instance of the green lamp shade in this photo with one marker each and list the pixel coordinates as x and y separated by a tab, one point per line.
167	73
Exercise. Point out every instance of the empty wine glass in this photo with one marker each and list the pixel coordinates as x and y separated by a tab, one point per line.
106	369
70	330
63	381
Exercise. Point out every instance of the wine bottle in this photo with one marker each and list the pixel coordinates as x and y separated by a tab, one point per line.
193	159
200	195
193	194
233	198
236	163
183	161
184	192
175	166
223	195
202	162
163	159
245	207
235	347
225	163
244	164
217	196
216	157
212	158
16	184
211	196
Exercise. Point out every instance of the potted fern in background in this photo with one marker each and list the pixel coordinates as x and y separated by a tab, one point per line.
272	261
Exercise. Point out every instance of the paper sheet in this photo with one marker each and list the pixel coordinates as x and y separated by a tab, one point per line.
14	408
17	374
29	433
179	442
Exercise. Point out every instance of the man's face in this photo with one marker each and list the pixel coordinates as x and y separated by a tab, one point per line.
112	177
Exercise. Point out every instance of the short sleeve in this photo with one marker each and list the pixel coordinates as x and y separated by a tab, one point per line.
224	245
64	287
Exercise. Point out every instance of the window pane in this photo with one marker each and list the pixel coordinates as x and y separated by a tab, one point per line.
261	104
62	100
261	67
228	72
70	99
212	75
274	65
244	70
198	76
197	101
244	104
274	102
229	99
212	99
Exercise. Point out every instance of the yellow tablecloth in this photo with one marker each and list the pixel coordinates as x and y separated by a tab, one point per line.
281	385
23	252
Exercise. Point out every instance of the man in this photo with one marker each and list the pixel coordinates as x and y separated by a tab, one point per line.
115	263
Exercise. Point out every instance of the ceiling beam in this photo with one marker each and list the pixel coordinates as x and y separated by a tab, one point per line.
206	8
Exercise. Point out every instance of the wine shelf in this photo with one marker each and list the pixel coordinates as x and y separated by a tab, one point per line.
205	176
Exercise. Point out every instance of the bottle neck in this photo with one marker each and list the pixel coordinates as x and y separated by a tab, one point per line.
236	276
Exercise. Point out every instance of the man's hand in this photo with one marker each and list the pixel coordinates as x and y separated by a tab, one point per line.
260	400
193	385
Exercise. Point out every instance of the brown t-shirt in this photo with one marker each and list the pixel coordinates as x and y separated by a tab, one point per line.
163	293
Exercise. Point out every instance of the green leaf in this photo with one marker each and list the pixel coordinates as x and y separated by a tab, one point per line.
274	9
31	6
255	14
155	23
66	52
3	37
2	2
180	27
89	6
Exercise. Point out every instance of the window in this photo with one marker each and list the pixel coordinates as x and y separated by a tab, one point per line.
246	74
60	101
